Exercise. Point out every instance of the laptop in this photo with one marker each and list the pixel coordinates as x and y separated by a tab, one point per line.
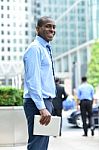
52	129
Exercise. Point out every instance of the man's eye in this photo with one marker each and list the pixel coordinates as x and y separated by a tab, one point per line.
54	26
50	26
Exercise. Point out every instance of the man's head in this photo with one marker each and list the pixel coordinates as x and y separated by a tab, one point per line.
46	28
84	79
57	80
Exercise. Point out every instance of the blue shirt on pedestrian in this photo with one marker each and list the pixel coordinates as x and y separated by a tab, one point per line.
85	91
38	76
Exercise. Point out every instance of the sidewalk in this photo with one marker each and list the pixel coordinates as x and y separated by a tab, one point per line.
69	141
75	141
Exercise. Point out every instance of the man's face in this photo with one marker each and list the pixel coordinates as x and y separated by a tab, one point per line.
47	30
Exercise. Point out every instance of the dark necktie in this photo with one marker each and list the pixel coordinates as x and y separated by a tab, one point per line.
49	48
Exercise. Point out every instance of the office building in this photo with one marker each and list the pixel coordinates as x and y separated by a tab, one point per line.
77	28
16	32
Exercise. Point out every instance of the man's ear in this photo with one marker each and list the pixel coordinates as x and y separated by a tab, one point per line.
36	30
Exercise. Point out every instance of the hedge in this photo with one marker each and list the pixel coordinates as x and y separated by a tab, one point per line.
11	96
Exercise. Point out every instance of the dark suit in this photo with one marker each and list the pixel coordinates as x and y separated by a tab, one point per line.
57	102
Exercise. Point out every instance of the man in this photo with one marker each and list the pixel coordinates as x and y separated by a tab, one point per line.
57	101
39	85
85	95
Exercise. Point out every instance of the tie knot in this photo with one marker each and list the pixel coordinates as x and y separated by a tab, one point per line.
48	47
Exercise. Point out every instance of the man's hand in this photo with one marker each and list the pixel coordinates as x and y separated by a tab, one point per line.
45	117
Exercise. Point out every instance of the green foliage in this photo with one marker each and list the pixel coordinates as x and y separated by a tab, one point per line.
11	97
93	66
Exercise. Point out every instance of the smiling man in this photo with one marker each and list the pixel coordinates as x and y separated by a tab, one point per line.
39	85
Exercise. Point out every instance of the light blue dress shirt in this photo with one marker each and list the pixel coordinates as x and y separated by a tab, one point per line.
38	76
85	91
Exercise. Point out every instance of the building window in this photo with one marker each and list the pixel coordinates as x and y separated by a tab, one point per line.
26	24
14	57
26	9
2	15
2	49
26	41
20	49
8	8
2	58
8	41
8	33
14	32
10	81
2	41
14	41
2	81
2	25
9	58
8	49
8	16
20	57
26	32
2	7
8	25
20	41
14	49
2	32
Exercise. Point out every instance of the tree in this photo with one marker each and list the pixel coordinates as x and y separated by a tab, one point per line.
93	66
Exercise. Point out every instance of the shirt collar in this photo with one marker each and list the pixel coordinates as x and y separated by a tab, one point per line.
42	41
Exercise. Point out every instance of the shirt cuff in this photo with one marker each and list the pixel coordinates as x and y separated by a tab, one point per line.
40	105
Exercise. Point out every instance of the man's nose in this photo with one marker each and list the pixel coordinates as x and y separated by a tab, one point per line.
52	29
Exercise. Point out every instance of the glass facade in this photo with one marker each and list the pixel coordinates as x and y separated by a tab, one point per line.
71	28
76	27
94	19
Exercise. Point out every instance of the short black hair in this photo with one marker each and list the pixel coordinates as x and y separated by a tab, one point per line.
42	20
57	80
84	79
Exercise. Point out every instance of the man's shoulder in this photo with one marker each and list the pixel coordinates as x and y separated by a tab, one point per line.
85	85
33	47
35	44
91	86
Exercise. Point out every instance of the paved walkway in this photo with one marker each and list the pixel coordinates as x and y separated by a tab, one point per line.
69	141
75	141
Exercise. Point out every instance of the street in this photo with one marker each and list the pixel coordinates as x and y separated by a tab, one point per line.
66	126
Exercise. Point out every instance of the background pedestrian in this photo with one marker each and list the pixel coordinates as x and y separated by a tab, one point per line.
61	95
85	96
